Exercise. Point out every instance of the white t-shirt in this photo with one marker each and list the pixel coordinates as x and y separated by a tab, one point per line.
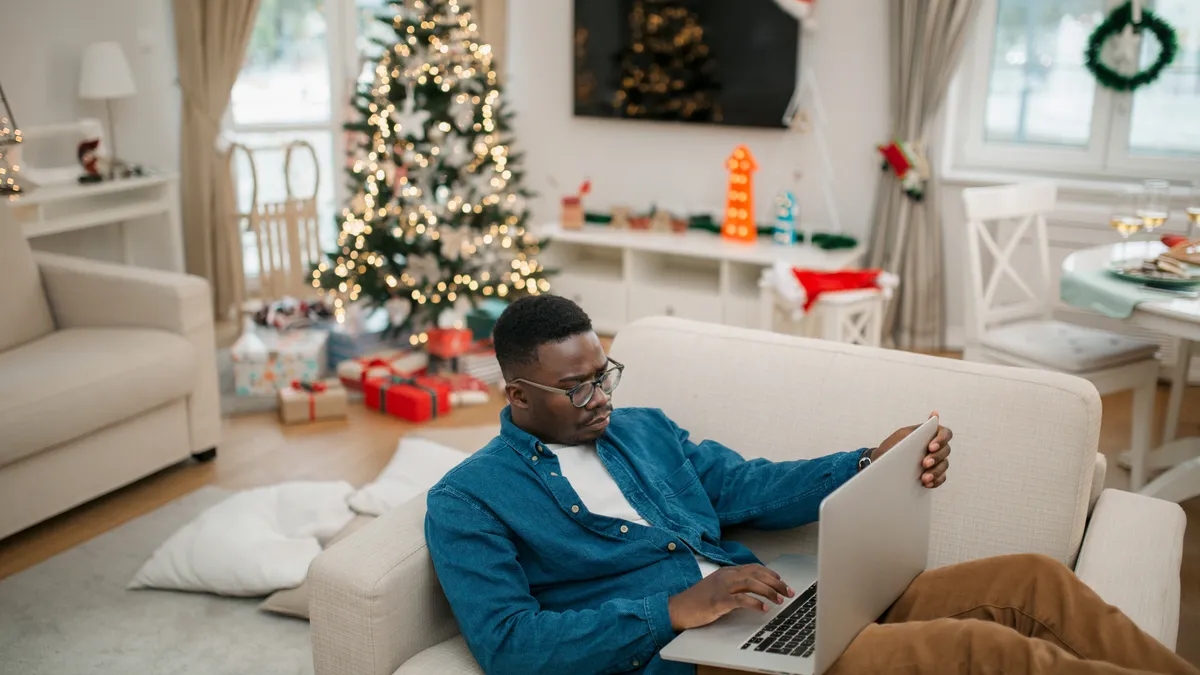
581	465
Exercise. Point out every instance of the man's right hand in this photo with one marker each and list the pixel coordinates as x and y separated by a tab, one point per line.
724	591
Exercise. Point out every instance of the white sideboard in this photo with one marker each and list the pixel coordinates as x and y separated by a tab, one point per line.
145	209
618	276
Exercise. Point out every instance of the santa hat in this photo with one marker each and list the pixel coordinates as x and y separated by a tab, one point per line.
798	288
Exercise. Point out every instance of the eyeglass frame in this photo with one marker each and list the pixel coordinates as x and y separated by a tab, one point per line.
617	365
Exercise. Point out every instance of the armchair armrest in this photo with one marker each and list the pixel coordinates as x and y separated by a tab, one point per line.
90	294
1131	556
375	599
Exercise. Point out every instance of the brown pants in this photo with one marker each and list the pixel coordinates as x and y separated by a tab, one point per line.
1011	614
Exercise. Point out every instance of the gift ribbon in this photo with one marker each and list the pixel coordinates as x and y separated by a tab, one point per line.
373	363
397	381
313	388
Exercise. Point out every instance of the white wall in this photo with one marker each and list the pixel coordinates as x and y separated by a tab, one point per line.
40	46
681	166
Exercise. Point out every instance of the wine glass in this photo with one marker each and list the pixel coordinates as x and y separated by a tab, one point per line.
1193	212
1125	218
1155	204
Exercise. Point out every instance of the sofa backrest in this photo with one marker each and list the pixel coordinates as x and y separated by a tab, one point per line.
24	312
1024	440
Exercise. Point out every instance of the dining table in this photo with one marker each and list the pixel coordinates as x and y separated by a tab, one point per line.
1087	283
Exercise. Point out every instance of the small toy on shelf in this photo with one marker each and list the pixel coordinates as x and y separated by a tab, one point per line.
572	207
739	204
620	218
785	219
307	401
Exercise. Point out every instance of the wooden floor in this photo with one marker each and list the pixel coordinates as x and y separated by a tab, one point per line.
257	450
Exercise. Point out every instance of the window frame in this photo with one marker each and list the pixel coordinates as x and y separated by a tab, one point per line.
1105	157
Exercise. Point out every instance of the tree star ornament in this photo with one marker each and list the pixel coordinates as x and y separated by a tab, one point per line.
410	122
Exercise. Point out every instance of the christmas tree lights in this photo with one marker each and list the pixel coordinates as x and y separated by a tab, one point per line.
438	216
10	138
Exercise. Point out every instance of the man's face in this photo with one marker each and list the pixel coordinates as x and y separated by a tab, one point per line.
563	365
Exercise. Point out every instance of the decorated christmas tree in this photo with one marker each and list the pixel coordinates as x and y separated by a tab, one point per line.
667	71
438	218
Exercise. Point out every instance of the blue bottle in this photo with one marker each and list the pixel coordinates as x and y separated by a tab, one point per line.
785	219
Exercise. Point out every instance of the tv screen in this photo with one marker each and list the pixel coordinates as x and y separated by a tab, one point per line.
708	61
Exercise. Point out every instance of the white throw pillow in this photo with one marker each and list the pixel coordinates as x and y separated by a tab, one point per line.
253	543
416	466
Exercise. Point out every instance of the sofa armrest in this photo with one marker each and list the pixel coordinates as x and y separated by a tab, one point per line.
375	599
1131	556
90	294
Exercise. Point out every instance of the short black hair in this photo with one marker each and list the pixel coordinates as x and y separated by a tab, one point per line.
533	321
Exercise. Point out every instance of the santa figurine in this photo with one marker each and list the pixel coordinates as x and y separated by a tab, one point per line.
92	161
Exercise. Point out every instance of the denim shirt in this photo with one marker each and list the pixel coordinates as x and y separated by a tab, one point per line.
539	584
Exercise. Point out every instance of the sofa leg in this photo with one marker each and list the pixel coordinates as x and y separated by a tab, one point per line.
205	455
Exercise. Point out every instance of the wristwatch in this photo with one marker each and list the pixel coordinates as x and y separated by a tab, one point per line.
864	460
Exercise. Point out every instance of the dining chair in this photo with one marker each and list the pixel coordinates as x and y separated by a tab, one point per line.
1023	332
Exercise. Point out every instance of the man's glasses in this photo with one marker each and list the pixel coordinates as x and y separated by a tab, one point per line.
582	393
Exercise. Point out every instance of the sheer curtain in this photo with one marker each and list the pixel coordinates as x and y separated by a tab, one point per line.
210	38
926	38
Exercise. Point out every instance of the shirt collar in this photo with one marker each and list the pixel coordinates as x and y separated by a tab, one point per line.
523	442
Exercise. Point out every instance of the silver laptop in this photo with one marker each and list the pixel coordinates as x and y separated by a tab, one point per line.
873	541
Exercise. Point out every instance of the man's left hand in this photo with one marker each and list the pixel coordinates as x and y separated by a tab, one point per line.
935	464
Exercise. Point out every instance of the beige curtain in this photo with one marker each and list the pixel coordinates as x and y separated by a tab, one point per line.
210	41
492	18
927	38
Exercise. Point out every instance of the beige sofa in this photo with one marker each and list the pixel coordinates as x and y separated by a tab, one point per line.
1024	477
107	374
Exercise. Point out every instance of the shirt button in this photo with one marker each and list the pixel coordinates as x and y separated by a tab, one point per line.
575	508
635	664
553	473
671	546
624	529
534	458
541	448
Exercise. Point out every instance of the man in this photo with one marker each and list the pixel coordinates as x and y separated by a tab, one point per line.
583	539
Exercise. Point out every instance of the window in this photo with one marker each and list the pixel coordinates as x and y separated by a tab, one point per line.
295	84
1025	100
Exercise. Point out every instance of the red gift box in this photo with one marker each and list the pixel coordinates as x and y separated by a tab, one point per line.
448	343
416	400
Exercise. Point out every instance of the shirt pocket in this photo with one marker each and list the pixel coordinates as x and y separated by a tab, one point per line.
681	481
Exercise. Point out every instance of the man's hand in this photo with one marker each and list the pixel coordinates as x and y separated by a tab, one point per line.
939	453
722	592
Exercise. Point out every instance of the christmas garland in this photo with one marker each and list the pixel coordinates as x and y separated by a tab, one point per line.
1113	25
827	241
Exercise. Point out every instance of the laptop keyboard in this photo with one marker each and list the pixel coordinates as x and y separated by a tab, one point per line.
793	631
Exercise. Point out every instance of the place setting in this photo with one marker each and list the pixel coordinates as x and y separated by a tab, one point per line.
1174	271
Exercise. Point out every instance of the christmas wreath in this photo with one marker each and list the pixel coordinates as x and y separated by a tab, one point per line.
1123	24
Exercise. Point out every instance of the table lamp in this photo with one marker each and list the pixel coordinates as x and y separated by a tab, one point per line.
105	75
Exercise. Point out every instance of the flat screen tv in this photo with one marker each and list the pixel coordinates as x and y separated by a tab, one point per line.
706	61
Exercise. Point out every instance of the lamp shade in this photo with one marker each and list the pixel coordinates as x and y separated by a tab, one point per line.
105	72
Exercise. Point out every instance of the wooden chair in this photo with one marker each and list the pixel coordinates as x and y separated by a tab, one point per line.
1023	332
285	234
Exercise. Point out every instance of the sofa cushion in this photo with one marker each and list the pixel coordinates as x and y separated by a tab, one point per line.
24	312
451	657
73	382
1066	346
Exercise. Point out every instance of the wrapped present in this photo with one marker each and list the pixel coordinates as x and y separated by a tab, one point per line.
414	399
465	389
448	343
266	361
482	319
480	362
406	363
363	335
305	401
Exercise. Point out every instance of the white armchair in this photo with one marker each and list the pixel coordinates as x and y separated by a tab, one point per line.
1024	479
107	374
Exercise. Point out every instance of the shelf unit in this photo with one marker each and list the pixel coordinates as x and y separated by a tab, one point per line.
145	208
618	276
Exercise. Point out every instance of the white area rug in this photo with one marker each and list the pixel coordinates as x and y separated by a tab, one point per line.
72	614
